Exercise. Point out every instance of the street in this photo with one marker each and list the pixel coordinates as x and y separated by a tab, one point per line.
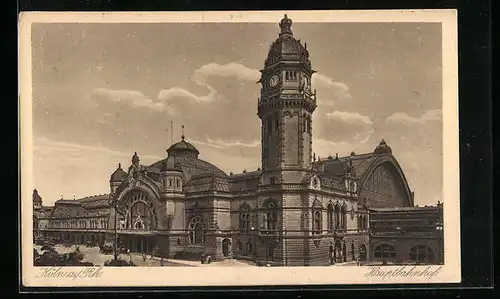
93	255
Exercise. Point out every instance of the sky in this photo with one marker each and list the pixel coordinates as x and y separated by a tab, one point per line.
104	91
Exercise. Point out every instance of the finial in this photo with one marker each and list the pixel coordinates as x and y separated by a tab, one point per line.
119	165
285	26
353	153
62	196
182	136
382	142
74	197
314	157
337	156
135	158
305	46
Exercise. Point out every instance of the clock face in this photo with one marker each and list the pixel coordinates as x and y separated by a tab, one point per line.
274	81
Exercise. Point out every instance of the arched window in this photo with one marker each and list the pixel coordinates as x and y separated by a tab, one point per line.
170	182
270	215
197	229
337	216
316	217
343	221
139	207
139	211
245	224
178	183
421	253
329	216
385	251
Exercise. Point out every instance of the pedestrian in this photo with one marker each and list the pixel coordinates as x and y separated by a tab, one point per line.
144	257
161	262
152	256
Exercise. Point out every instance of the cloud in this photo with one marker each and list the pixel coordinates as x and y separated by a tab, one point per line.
71	168
232	69
166	95
133	98
351	118
403	118
339	126
221	144
329	91
201	77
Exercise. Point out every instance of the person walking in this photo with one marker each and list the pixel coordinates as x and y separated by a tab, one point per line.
161	262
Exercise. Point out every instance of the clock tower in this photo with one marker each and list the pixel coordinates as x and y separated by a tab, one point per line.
285	107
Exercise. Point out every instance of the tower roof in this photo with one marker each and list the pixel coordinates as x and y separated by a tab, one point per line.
183	148
119	175
286	47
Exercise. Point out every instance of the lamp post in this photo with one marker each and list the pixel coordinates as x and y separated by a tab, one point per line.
116	229
254	246
439	230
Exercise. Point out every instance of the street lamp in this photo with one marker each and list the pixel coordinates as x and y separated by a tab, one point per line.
116	229
439	230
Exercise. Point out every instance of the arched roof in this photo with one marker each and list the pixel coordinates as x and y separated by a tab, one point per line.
363	166
389	159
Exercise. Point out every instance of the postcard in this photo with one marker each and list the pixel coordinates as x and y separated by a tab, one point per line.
239	148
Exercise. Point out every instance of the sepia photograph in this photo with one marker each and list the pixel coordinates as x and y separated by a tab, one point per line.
320	144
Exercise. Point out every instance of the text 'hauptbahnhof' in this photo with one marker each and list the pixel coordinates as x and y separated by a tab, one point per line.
294	210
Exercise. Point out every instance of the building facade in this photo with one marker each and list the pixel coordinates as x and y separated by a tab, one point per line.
294	210
407	235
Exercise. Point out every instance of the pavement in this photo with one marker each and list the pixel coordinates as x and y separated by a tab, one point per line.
93	255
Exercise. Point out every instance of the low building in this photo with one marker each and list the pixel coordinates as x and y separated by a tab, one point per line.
407	235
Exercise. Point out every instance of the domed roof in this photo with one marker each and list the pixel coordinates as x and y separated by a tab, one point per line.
119	175
383	148
286	47
183	148
172	164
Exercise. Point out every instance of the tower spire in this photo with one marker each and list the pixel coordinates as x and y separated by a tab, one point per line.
286	25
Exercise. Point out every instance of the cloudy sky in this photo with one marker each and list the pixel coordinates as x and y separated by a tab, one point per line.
103	91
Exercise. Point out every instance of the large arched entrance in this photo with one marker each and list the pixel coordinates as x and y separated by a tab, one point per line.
226	247
362	253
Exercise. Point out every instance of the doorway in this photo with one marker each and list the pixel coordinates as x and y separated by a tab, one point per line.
226	244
